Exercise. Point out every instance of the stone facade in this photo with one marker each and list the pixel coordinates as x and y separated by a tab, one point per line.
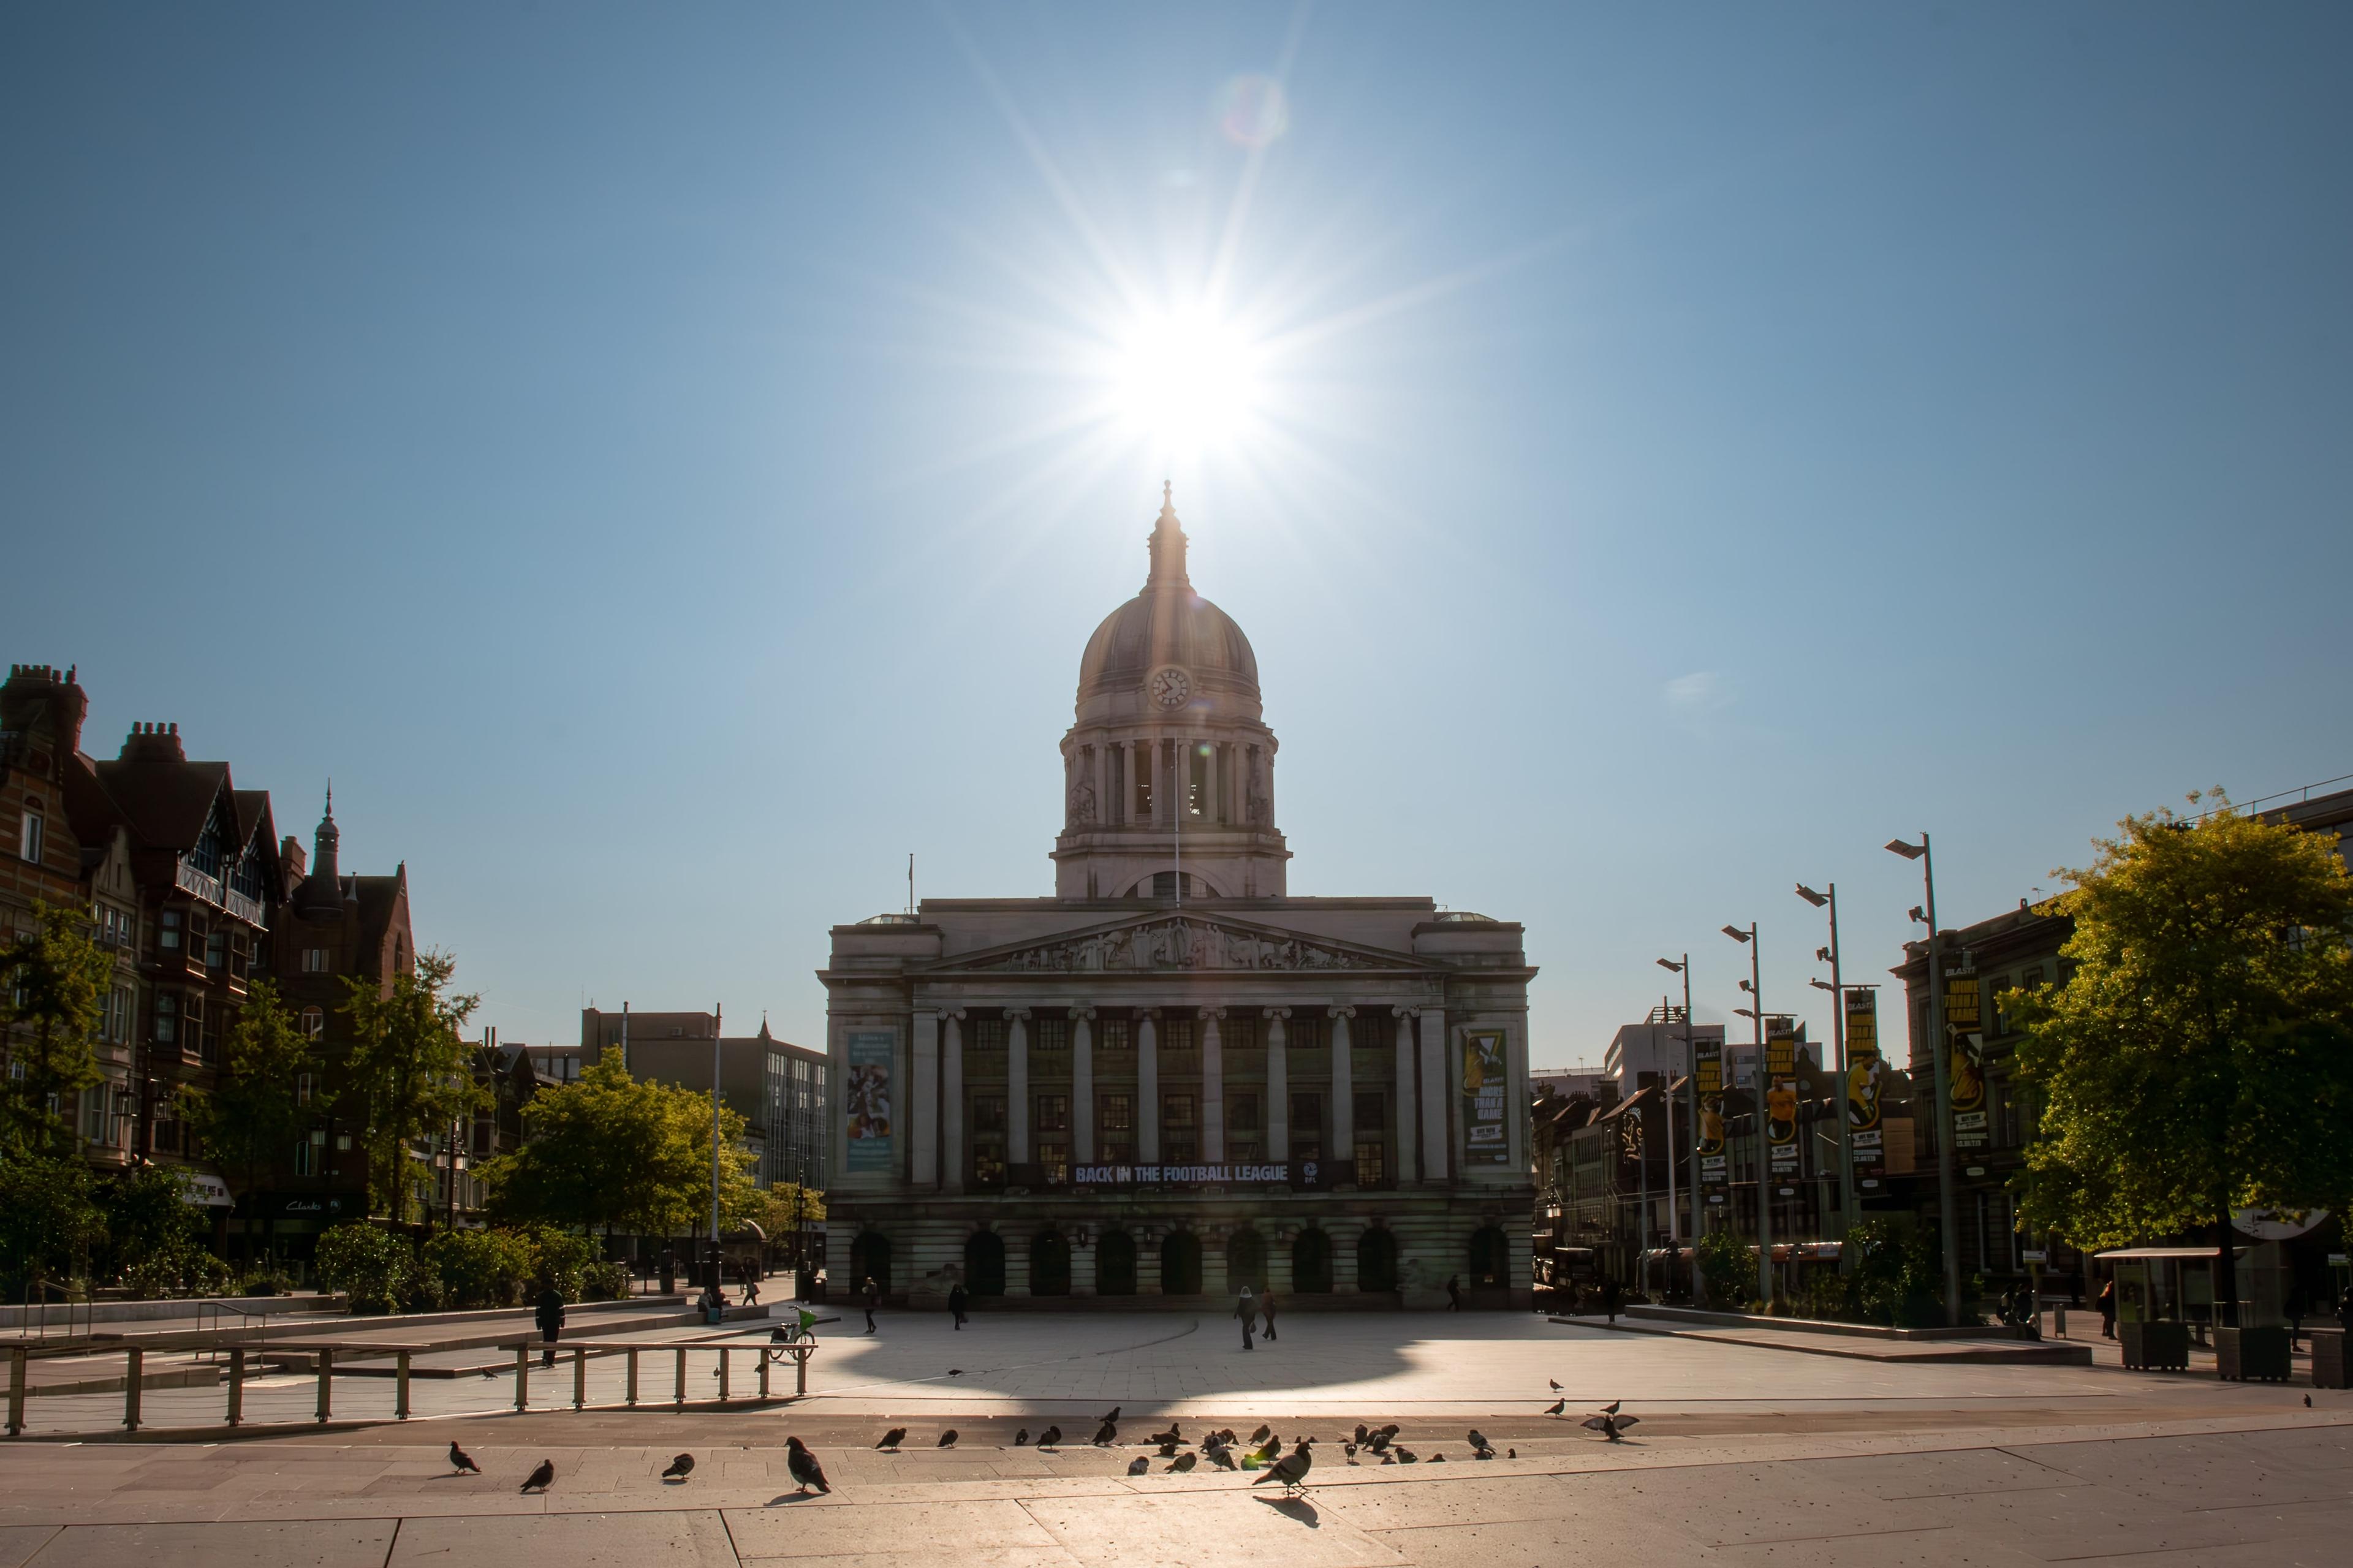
1174	1078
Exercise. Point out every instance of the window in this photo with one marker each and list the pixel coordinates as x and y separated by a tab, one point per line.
1114	1034
1118	1112
28	835
314	1022
1177	1110
1054	1161
2005	1113
1177	1033
168	930
1242	1112
1372	1167
988	1114
1238	1034
1053	1114
216	951
1052	1034
343	1140
1372	1110
989	1033
302	1089
167	1019
117	1023
314	961
302	1157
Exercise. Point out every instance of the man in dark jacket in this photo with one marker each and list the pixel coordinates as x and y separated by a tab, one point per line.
956	1302
551	1323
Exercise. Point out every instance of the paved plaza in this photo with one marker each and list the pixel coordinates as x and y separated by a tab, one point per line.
1744	1456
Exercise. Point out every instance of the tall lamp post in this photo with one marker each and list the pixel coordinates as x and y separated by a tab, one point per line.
1755	986
1944	1092
1838	1034
1691	1115
712	1282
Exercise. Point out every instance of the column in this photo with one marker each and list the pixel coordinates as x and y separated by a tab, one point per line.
1341	1155
1161	817
1213	1088
1213	794
1101	760
1017	1085
1407	1145
1278	1088
1127	781
1515	1052
1082	1086
1147	1090
951	1099
926	1128
1435	1101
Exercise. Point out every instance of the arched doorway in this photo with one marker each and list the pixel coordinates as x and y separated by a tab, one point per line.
1377	1261
1180	1264
984	1263
1115	1264
870	1258
1490	1259
1050	1264
1311	1262
1246	1261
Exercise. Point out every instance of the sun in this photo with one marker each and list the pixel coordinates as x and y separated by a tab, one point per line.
1185	382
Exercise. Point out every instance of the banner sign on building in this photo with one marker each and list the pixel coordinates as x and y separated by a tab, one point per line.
1707	1086
1486	1080
866	1097
1965	1058
1781	1097
1101	1178
1865	1080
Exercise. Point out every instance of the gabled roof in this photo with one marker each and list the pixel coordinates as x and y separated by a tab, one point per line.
167	803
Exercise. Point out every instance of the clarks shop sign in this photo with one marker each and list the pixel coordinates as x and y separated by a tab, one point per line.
1310	1174
314	1205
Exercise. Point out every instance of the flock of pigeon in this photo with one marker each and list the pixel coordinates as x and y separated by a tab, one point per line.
1224	1449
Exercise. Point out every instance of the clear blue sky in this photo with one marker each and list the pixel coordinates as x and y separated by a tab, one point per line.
654	458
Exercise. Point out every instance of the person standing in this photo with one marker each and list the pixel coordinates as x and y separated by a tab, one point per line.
958	1301
1266	1312
1612	1295
549	1318
871	1295
2108	1310
1247	1310
1454	1293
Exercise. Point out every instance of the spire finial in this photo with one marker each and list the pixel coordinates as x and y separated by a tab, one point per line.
1168	493
1167	540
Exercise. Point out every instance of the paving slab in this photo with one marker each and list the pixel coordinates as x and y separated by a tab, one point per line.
693	1538
358	1544
18	1542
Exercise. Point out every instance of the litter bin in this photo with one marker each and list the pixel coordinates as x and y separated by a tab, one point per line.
2155	1347
2252	1355
2328	1358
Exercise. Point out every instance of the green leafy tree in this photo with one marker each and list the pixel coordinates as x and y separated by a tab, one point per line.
479	1268
255	1114
409	1072
49	1220
374	1267
154	1239
55	995
2196	1060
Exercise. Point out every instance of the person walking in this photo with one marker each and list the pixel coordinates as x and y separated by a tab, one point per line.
958	1301
872	1297
751	1284
549	1318
1266	1312
2108	1310
1454	1293
1247	1310
1612	1295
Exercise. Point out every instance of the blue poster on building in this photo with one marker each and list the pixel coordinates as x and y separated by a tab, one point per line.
866	1097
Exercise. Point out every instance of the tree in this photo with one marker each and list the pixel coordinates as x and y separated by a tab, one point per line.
783	1208
55	996
2196	1060
255	1113
409	1072
47	1221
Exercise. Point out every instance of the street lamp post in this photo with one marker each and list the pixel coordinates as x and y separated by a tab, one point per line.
1690	1114
1757	1088
712	1282
1846	1199
1939	1046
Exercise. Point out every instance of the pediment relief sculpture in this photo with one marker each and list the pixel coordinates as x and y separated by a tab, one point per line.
1182	943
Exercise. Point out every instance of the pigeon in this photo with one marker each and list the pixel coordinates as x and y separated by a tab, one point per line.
1184	1465
1437	1458
1557	1407
463	1463
1388	1458
2307	1405
956	1372
1262	1434
1477	1439
1291	1470
1392	1428
1106	1434
1173	1436
681	1467
1611	1408
1221	1457
1379	1443
1407	1456
1511	1453
1168	1450
806	1471
1268	1451
1363	1431
1350	1450
893	1437
1113	1416
1483	1453
948	1437
540	1478
1049	1437
1021	1439
1138	1465
1556	1384
1609	1425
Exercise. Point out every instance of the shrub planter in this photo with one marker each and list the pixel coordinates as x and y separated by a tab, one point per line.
2155	1347
2329	1359
2251	1355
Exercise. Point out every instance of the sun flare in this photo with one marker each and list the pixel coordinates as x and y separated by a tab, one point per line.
1185	382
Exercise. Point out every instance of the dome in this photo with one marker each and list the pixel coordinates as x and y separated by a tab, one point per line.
1167	624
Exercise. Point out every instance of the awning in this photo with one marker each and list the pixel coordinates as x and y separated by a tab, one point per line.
2139	1253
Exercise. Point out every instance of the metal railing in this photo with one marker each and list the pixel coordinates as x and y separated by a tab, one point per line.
580	1353
38	1323
208	1321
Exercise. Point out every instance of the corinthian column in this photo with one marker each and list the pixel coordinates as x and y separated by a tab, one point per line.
1409	1123
1147	1089
1082	1085
952	1097
1436	1157
1213	1088
1342	1155
1017	1085
925	1171
1277	1088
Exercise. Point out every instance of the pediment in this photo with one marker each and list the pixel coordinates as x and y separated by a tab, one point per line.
1163	944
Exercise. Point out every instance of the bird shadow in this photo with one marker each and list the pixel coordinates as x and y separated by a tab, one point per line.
1297	1508
786	1499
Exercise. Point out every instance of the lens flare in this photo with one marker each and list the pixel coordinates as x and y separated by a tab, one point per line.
1253	111
1184	382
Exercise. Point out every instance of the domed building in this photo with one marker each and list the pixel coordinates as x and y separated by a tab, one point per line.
1173	1079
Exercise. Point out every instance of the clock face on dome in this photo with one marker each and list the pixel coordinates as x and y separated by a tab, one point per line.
1170	687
